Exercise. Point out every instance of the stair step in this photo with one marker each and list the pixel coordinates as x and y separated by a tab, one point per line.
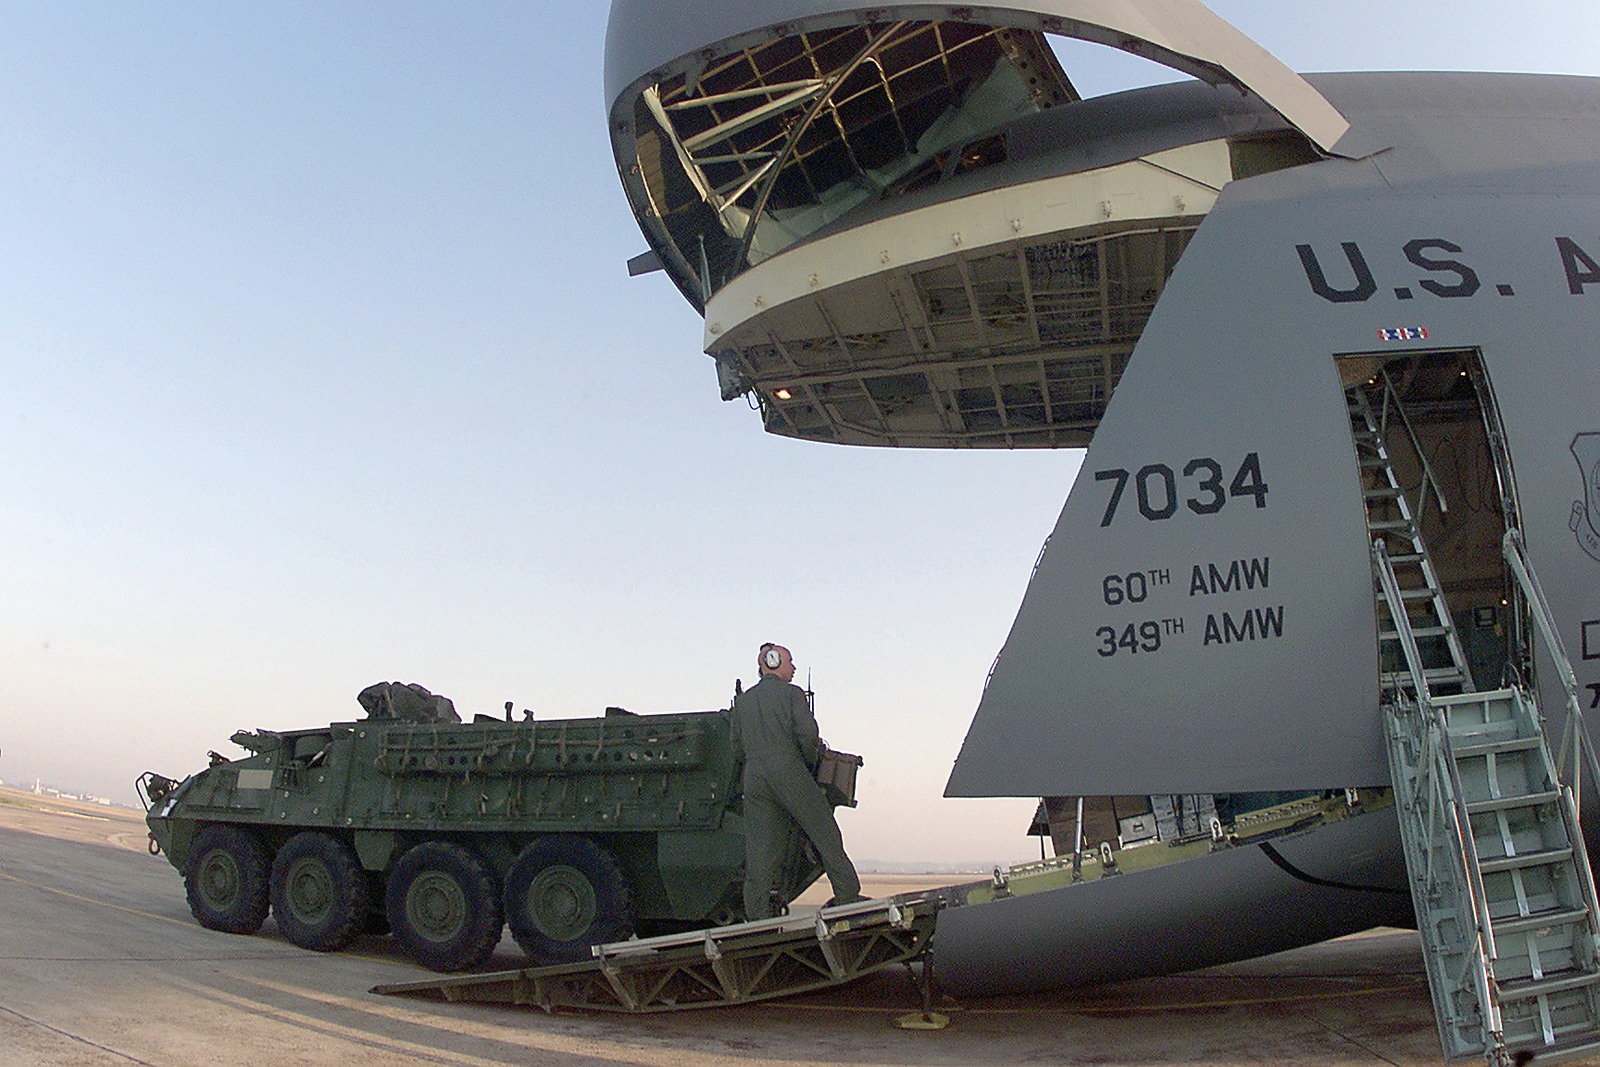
1526	800
1533	987
1416	631
1493	730
1459	728
1516	744
1419	585
1524	859
1391	524
1523	923
1479	734
1420	579
1437	678
1420	626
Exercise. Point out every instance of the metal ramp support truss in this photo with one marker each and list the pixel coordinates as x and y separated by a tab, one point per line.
1500	880
710	968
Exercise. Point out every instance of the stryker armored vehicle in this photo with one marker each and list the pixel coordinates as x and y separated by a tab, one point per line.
574	832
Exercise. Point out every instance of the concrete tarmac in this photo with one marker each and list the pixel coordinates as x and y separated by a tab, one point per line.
101	963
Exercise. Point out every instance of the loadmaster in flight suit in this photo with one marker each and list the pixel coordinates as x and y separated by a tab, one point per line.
775	732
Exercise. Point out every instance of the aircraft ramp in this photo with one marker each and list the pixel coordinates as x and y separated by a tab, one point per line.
722	966
749	962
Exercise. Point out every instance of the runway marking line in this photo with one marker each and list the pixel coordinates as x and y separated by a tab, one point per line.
41	1024
101	903
169	919
53	811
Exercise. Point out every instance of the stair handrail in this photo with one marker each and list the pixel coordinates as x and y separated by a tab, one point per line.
1576	735
1438	747
1416	444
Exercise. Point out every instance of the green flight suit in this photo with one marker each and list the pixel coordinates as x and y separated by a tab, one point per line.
774	730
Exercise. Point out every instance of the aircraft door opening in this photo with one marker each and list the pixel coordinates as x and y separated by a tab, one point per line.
1437	484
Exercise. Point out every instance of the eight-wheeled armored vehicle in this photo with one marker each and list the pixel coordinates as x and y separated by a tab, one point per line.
573	832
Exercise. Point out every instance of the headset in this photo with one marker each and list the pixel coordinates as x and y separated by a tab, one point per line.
771	658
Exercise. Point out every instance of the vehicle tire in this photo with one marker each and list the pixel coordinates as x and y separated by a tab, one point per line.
444	906
565	893
226	880
319	892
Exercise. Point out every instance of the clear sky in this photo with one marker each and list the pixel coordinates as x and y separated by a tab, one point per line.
320	366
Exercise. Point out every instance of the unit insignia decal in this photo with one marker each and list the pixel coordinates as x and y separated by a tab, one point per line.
1585	512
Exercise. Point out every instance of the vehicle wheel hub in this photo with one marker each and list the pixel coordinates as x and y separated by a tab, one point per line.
436	906
311	890
219	879
562	903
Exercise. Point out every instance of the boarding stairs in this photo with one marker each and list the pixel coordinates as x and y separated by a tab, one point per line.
1392	523
718	967
1500	879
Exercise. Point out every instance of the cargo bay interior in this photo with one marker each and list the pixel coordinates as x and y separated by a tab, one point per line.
835	138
